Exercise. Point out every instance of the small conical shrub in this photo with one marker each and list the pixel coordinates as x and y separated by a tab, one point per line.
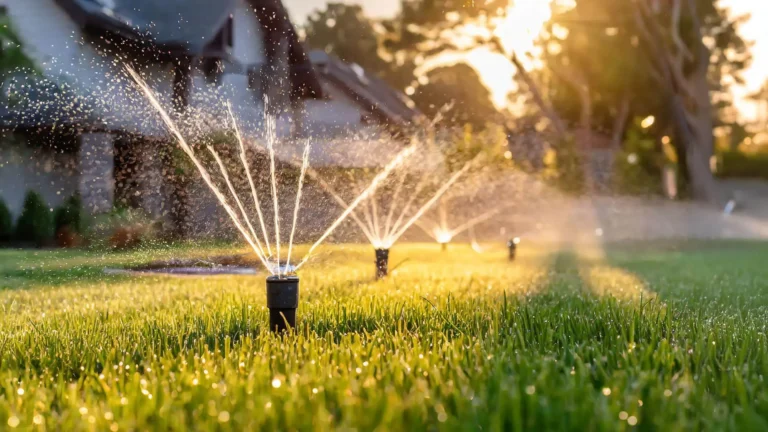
70	214
68	222
35	225
6	223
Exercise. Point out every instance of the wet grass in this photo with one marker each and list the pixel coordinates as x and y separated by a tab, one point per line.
631	338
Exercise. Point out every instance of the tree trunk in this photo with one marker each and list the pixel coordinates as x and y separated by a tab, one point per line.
545	108
703	183
701	149
620	123
693	129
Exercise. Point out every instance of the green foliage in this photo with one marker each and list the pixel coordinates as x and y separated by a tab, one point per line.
6	223
69	215
344	31
564	168
12	57
638	166
393	50
670	337
737	164
460	87
122	228
602	45
35	225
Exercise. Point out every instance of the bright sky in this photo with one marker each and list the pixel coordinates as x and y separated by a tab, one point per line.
496	72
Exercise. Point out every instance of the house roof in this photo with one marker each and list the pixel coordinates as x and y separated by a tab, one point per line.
276	25
187	27
389	106
43	103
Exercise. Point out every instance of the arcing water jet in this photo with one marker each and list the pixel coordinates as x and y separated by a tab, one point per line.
382	238
282	285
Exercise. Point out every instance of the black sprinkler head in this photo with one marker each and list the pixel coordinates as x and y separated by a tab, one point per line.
382	263
282	301
512	246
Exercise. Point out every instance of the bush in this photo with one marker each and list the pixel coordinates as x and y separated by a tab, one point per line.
6	223
637	169
122	229
68	222
35	225
564	168
736	164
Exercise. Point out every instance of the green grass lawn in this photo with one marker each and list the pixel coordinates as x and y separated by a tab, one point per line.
664	336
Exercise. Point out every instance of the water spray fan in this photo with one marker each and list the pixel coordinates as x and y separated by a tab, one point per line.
282	285
398	212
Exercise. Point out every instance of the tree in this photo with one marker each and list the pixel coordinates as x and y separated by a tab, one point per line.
35	225
682	64
12	57
6	223
646	58
760	97
344	31
460	86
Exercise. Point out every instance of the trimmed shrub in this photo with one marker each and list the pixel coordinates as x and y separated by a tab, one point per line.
35	225
564	168
638	167
736	164
68	222
121	229
6	223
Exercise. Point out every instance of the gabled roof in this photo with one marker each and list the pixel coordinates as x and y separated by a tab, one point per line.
389	106
187	25
276	25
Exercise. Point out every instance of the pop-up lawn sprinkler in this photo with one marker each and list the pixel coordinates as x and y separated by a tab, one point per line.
443	237
382	263
512	245
282	301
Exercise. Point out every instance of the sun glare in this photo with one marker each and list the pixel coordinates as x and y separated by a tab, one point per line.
443	237
517	30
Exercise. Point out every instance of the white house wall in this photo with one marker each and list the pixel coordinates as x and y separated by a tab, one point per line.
337	111
56	44
23	169
248	45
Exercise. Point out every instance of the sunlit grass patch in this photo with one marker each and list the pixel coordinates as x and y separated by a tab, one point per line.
451	340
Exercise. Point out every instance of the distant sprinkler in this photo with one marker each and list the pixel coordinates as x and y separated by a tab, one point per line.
443	237
382	263
282	302
512	245
282	285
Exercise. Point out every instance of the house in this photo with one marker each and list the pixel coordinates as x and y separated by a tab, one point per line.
79	126
184	48
359	121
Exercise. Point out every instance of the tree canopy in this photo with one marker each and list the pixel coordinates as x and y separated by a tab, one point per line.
602	64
